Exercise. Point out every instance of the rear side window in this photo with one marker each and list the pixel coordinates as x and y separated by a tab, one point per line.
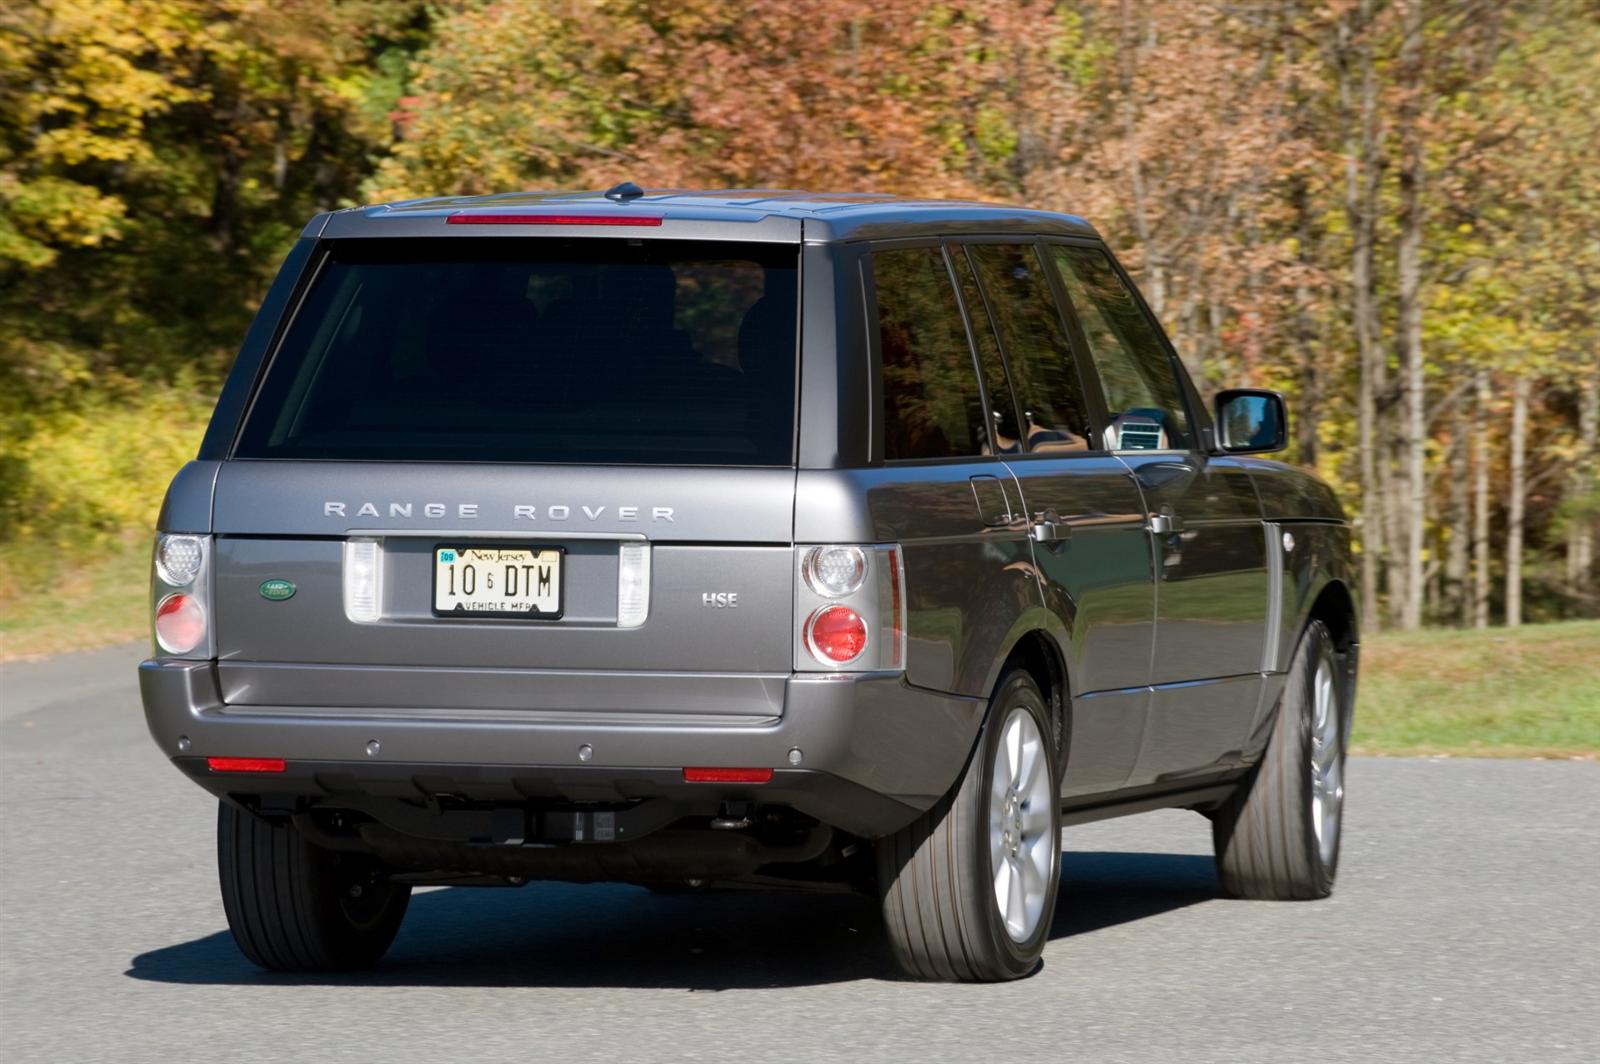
1035	343
931	407
1141	382
535	350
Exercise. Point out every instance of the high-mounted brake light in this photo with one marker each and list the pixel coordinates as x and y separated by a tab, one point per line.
245	764
554	219
727	775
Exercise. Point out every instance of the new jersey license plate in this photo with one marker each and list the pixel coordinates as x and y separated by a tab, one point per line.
497	581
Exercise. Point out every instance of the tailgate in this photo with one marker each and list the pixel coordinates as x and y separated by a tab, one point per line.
711	533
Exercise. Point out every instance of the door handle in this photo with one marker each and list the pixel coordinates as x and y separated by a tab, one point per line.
1050	531
1164	524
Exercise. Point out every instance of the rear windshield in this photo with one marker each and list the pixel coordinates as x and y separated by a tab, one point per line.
537	350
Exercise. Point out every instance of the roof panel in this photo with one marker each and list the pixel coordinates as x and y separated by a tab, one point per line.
830	216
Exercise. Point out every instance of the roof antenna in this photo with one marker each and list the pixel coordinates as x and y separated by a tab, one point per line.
624	192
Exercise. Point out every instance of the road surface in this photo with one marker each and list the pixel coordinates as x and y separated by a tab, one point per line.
1466	926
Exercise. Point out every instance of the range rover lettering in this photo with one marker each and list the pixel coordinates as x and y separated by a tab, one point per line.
736	538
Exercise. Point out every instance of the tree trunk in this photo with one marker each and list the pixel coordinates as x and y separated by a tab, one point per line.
1409	268
1516	504
1480	504
1360	193
1582	486
1460	525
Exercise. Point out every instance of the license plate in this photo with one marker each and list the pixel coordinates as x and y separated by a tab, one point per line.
497	581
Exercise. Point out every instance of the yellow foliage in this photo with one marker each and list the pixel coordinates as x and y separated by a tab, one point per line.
93	473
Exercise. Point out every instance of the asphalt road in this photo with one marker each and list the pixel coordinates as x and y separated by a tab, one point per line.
1465	927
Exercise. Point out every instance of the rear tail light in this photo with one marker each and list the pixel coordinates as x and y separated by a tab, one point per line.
836	635
849	608
633	584
363	580
180	594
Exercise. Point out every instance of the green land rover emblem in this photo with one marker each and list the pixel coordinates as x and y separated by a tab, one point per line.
277	590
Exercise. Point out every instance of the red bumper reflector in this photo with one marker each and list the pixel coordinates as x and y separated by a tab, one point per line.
245	764
552	219
727	775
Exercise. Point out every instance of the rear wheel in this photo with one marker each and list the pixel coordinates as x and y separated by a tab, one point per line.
969	888
1278	836
296	907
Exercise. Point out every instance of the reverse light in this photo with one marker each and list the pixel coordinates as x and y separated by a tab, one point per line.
363	580
178	559
180	623
836	635
727	775
245	764
633	584
554	219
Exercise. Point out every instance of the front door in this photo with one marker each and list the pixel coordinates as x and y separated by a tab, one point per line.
1204	525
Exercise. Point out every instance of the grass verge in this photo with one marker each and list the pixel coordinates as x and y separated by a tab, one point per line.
103	599
1532	691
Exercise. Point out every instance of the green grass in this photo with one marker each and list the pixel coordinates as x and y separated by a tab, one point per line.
1526	692
101	599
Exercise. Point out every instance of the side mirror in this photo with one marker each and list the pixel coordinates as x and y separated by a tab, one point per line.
1250	421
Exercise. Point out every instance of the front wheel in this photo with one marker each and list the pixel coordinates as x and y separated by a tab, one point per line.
1278	836
969	888
296	907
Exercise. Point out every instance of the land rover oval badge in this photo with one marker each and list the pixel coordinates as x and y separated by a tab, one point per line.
277	590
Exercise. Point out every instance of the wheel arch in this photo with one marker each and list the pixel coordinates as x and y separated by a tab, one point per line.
1039	653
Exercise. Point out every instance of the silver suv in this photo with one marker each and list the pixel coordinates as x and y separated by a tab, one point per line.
731	538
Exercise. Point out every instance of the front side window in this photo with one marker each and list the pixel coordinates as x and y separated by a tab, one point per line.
1025	315
1141	383
656	352
931	407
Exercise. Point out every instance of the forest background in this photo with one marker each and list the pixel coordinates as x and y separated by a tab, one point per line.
1388	209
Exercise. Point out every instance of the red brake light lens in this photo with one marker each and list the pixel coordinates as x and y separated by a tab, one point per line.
727	775
245	764
836	635
554	219
180	623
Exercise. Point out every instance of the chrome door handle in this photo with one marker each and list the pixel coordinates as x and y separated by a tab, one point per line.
1164	524
1050	532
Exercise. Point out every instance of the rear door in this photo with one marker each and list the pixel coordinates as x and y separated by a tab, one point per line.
1205	527
942	490
607	421
1082	506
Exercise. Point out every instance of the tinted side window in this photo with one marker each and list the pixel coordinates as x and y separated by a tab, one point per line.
1141	383
1036	348
931	407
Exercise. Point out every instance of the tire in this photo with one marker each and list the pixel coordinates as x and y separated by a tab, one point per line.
939	878
1277	837
295	907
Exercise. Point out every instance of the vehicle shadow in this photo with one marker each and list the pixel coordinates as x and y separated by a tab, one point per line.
565	935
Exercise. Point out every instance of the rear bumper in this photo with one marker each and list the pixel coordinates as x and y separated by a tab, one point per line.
874	751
